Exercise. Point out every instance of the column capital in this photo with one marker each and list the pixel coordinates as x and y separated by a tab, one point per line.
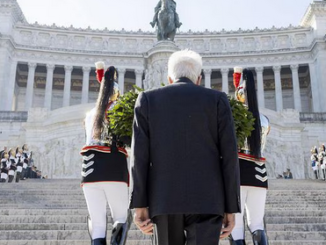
139	71
277	68
86	69
225	70
32	65
68	68
294	67
122	70
50	66
207	71
259	69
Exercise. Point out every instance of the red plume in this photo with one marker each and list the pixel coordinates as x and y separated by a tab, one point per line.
99	71
237	76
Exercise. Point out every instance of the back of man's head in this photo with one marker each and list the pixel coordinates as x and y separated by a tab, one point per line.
185	63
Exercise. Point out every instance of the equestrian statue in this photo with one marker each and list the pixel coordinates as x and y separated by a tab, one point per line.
166	19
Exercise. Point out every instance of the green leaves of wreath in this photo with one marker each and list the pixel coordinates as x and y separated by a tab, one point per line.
122	115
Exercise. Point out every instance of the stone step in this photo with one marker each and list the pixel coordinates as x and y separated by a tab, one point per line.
51	219
137	235
145	242
83	211
83	227
63	242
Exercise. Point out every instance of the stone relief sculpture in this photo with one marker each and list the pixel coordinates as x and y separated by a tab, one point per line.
166	19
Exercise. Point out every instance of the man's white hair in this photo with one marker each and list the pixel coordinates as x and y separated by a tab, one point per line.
185	63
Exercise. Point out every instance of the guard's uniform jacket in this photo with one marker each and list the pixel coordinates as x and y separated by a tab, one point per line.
104	160
253	171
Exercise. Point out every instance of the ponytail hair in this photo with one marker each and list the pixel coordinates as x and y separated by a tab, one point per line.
106	91
254	140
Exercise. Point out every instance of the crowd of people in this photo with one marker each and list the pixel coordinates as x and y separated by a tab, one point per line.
17	164
318	161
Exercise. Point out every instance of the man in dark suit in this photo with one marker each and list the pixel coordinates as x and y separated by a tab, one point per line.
184	160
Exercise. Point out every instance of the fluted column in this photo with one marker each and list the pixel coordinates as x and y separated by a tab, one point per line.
278	88
260	87
208	79
122	73
139	75
314	88
9	90
48	86
85	89
225	80
30	86
296	87
67	87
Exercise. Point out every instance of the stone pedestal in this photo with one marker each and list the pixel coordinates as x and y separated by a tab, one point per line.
157	60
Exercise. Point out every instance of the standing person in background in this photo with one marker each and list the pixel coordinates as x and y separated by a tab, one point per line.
253	173
105	176
314	161
322	160
5	164
26	157
13	167
4	149
185	167
20	163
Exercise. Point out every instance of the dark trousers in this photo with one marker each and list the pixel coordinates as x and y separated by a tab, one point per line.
190	229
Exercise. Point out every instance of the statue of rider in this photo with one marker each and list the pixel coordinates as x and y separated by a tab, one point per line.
157	10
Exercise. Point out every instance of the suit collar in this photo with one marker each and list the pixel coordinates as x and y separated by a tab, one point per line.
184	80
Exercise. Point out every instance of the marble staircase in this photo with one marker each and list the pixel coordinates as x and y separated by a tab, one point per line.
53	212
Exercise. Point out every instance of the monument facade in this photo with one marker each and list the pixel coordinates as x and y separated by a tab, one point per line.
47	81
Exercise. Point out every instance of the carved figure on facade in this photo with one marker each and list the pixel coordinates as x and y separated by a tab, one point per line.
166	19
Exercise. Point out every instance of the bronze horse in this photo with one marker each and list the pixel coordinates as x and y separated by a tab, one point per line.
166	22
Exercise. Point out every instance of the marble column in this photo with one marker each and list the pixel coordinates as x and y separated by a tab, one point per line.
278	88
296	87
139	77
10	88
30	86
260	86
121	81
208	79
85	89
225	80
67	86
314	87
49	85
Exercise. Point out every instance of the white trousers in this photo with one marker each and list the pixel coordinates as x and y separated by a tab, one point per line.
97	196
4	176
253	199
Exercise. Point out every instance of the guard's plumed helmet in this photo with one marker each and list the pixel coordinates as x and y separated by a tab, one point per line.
102	75
239	84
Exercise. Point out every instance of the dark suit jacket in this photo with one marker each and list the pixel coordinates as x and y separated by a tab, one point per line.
184	152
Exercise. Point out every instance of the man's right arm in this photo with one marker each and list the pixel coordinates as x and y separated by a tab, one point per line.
140	154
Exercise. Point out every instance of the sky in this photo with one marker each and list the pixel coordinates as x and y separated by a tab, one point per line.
197	15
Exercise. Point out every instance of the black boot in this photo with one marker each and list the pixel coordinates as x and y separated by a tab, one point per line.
99	241
120	231
18	176
316	174
324	173
119	234
3	181
11	178
259	237
237	242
